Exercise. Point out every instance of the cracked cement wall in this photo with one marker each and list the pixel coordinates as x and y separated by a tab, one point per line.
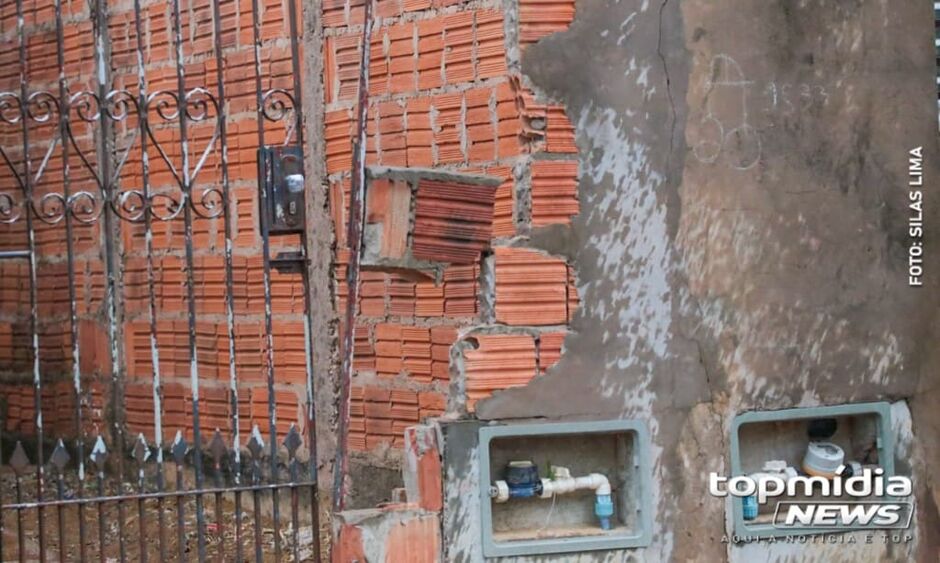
741	245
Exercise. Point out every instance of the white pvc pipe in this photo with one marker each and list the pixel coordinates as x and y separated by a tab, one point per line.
595	482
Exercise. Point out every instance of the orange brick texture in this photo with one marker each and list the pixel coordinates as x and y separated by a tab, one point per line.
404	534
168	237
442	95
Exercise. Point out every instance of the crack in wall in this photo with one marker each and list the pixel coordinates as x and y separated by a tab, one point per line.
672	103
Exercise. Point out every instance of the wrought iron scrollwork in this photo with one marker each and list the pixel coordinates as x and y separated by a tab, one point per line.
278	105
9	208
201	105
10	108
166	207
51	208
42	106
11	113
119	105
85	207
132	205
209	203
198	105
86	107
165	105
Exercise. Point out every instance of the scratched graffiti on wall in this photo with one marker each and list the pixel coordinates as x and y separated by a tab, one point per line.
730	129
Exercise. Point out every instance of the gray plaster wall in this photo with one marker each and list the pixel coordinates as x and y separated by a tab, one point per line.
741	244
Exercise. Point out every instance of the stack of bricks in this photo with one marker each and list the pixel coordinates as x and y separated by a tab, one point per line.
443	95
200	67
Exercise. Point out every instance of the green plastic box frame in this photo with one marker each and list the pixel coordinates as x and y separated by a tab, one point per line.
884	445
637	536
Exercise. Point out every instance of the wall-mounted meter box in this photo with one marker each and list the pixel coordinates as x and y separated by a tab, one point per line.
825	443
281	175
564	487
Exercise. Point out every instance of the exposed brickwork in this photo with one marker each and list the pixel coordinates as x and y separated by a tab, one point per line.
417	540
505	200
538	18
441	220
442	96
453	222
422	468
531	288
554	191
59	417
381	415
499	362
348	546
559	132
211	332
550	344
395	533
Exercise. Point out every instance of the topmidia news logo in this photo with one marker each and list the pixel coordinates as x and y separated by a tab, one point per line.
867	500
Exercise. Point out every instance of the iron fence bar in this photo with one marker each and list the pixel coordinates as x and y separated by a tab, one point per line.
183	107
31	243
311	409
219	531
141	454
179	450
295	505
100	33
256	447
59	460
308	322
156	381
218	454
238	526
266	282
64	114
14	254
102	554
229	284
229	299
295	68
60	492
107	185
2	513
256	503
20	531
142	520
354	240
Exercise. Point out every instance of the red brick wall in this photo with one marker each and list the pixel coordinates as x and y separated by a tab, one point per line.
443	96
211	333
54	332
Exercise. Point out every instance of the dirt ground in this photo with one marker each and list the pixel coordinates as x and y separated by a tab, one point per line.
218	534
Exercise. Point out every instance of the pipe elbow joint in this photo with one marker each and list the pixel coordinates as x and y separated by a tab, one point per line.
601	484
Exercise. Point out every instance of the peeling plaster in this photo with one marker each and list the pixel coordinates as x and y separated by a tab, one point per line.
764	273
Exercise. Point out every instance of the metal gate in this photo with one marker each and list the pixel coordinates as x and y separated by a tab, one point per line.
115	134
